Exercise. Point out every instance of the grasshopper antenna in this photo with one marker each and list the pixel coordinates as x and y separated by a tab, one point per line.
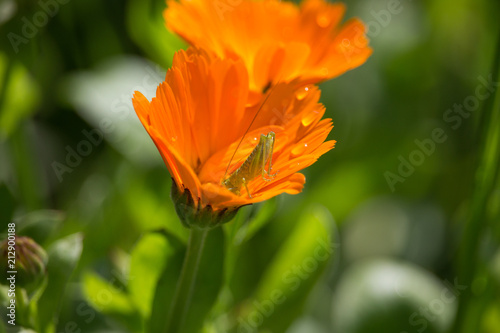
249	126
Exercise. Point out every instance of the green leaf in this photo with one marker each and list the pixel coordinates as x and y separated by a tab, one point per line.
18	95
40	225
486	177
63	257
29	186
353	187
105	92
491	319
260	218
7	204
165	287
16	329
285	285
111	300
384	295
147	28
148	209
147	263
244	226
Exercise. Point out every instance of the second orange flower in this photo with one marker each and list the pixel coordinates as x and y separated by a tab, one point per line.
278	41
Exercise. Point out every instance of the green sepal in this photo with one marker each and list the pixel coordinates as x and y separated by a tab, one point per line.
192	214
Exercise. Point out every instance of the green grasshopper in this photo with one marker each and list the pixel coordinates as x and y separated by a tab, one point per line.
256	162
253	166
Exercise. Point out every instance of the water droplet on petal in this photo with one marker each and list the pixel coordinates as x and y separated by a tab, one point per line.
302	93
323	20
299	149
294	166
174	138
309	118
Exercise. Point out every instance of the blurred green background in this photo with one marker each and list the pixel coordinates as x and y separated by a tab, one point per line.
410	228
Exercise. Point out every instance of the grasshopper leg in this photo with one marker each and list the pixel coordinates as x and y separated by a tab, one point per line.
246	187
266	174
268	151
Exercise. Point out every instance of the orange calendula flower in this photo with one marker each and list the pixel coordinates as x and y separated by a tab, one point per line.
277	40
200	115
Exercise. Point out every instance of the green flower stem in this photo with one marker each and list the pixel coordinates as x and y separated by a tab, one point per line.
185	285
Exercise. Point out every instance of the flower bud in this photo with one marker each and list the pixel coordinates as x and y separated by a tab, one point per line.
192	214
25	257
